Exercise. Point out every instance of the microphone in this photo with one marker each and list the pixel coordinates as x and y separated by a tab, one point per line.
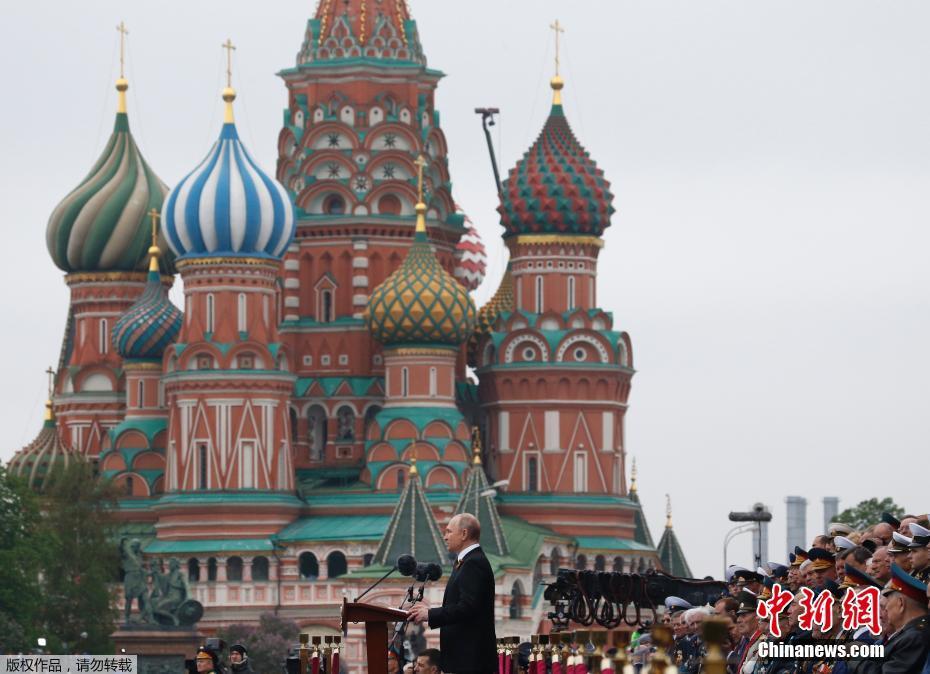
434	571
406	564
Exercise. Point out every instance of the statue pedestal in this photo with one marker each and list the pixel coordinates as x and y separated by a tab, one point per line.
161	650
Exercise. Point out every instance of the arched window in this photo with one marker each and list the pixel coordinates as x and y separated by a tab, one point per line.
334	205
555	561
539	294
211	569
202	457
600	563
140	394
336	564
538	573
389	204
260	568
210	312
571	293
104	336
316	431
618	564
532	474
516	601
401	476
581	562
404	382
193	570
293	418
234	569
129	485
370	415
345	419
242	316
367	559
308	566
326	311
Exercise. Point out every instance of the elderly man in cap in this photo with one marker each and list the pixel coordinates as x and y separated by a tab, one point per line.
747	626
904	605
899	550
918	553
823	566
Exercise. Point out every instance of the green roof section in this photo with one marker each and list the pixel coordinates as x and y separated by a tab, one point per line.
478	499
670	553
239	497
611	543
335	528
185	547
642	535
557	499
412	528
359	386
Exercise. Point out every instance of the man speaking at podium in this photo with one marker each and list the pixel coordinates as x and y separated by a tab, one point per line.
467	643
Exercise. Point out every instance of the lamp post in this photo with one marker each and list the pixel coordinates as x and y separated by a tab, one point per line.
757	516
731	534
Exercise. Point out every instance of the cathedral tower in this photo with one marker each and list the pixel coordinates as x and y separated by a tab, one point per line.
361	111
98	235
228	379
555	374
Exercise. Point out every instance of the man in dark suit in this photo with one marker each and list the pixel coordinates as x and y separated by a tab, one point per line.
467	643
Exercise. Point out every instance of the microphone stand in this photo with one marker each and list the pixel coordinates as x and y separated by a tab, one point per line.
377	582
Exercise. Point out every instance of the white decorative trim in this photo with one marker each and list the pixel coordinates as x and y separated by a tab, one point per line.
292	302
292	283
292	265
360	262
574	339
360	281
533	339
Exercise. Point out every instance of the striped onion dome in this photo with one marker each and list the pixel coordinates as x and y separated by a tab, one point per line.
102	225
471	259
228	206
36	461
420	303
556	188
501	302
146	329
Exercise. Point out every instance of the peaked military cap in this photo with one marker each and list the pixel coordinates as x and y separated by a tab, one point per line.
903	582
899	543
855	577
820	558
843	543
920	536
888	518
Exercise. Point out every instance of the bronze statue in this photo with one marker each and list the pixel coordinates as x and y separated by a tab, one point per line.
134	585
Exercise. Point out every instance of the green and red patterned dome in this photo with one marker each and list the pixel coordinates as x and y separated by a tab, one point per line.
102	225
420	303
556	188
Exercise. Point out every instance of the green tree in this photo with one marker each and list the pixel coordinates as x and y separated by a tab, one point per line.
267	642
79	561
869	512
20	554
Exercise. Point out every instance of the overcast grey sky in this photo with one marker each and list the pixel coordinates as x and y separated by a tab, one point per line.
769	255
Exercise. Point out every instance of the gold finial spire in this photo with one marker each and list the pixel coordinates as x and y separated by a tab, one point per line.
413	459
122	84
633	477
49	414
229	94
557	82
668	511
475	446
154	250
420	207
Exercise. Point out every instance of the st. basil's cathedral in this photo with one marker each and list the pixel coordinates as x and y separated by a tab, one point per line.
330	395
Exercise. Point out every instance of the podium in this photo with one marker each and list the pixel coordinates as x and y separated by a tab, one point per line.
376	619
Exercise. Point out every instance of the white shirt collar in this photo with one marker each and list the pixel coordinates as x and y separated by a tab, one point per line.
467	550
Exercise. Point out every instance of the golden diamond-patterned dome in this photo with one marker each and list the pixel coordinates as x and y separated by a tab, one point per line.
420	303
501	302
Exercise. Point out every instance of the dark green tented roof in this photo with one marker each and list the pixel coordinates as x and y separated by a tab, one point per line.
485	509
642	534
670	554
412	529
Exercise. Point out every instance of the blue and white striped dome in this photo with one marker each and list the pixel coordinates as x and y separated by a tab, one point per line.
229	207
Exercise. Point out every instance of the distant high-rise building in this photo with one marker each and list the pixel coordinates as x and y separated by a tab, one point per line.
796	522
831	506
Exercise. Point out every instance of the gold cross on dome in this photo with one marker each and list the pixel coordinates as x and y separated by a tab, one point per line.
51	380
421	164
230	48
557	27
154	215
122	48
